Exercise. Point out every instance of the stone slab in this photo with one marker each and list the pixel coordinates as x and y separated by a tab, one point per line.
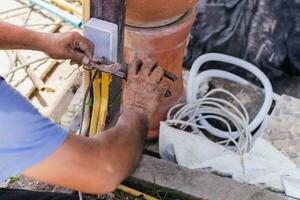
197	183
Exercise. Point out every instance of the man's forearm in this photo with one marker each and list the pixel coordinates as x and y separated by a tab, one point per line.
14	37
100	164
123	144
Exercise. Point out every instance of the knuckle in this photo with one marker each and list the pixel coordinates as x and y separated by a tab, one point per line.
74	35
164	85
146	68
160	71
150	63
92	46
69	53
134	62
77	34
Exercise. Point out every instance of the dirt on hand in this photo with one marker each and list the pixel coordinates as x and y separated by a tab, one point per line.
145	87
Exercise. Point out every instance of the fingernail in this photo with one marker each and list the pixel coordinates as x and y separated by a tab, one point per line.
85	60
168	93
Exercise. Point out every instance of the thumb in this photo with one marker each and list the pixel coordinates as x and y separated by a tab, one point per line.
79	58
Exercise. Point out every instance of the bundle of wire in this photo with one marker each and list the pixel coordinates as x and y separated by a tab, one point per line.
209	107
197	113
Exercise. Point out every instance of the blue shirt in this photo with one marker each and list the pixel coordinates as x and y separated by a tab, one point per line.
26	137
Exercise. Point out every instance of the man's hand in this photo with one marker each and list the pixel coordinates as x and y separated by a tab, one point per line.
70	45
145	87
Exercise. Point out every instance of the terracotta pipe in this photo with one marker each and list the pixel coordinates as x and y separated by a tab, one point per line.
166	44
155	13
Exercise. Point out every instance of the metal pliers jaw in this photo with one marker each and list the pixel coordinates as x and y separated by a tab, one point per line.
109	67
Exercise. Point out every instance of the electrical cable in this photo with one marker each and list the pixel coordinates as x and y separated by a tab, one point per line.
199	111
221	110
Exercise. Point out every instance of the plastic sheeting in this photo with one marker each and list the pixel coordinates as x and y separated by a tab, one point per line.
264	165
263	32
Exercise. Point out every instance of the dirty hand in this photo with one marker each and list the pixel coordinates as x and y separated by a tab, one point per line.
145	87
71	46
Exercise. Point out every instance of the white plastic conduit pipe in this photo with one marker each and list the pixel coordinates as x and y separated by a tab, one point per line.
215	73
196	79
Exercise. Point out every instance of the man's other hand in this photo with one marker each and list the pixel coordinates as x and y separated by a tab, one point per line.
145	87
71	46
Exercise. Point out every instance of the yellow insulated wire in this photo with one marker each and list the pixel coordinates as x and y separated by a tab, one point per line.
96	105
135	193
68	6
105	82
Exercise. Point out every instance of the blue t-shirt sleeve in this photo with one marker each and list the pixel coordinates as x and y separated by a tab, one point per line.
26	137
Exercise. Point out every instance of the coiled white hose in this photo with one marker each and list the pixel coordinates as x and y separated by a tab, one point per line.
239	63
197	111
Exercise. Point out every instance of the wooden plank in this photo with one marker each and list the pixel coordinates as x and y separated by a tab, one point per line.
112	11
43	77
86	4
36	81
196	183
63	98
86	76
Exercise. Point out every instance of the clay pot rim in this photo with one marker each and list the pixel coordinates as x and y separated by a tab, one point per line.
181	21
158	24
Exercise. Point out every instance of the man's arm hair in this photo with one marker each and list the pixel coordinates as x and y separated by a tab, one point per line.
14	37
96	165
70	45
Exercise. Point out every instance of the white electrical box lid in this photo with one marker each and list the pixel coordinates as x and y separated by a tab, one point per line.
104	35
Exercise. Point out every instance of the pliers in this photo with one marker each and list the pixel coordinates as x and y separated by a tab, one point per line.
120	70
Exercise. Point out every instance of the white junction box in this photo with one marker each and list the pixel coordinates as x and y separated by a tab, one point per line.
104	35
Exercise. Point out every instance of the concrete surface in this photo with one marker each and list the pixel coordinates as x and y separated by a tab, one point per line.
283	130
196	183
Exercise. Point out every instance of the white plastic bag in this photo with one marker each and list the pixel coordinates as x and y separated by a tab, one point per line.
263	165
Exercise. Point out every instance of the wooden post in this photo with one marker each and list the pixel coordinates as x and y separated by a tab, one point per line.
112	11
